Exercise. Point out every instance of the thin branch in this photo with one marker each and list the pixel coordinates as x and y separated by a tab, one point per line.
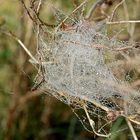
22	45
39	6
126	14
93	8
92	123
124	48
30	95
134	121
75	3
26	50
26	9
83	3
131	129
116	7
98	46
35	18
123	22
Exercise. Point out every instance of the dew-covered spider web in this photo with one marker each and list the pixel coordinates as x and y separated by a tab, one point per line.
76	71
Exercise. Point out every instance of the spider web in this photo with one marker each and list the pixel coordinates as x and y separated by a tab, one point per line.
76	73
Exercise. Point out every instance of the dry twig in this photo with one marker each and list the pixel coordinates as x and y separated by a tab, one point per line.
77	8
123	22
116	7
131	129
93	8
92	123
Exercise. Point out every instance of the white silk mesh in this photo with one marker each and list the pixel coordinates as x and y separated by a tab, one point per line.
76	73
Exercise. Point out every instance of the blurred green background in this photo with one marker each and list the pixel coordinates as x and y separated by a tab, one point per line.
23	115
